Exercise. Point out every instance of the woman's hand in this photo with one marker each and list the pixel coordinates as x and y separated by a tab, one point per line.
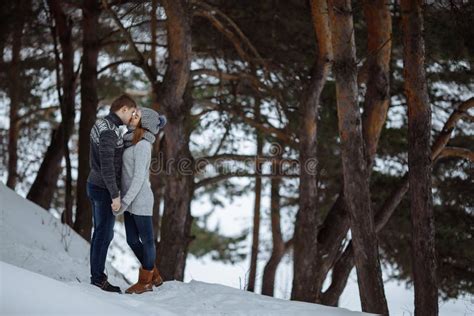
123	208
116	204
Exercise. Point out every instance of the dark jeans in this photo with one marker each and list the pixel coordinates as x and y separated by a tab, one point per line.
104	221
139	230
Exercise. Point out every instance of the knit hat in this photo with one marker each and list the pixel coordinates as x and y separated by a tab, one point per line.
152	120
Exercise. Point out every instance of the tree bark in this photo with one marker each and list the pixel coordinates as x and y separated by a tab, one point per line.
169	98
153	31
356	175
176	221
42	190
419	160
156	179
307	218
14	91
332	233
377	98
89	102
63	30
157	185
278	250
340	274
336	224
257	202
343	266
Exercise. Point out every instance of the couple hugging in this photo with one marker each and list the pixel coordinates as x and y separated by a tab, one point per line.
118	183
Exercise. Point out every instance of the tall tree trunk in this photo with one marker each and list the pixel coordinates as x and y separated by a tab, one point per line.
340	274
63	30
14	89
278	250
343	264
419	160
379	44
175	232
42	190
169	98
153	31
356	175
157	185
307	219
332	233
257	202
89	102
176	221
156	179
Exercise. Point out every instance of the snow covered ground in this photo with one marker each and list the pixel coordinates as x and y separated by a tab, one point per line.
44	270
46	296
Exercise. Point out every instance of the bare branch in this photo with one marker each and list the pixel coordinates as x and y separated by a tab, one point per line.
222	177
457	152
283	135
235	157
37	110
244	77
116	63
445	135
213	10
150	71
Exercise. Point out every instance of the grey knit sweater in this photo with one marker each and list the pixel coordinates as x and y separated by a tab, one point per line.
137	194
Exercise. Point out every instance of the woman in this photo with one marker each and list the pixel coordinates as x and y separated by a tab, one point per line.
137	203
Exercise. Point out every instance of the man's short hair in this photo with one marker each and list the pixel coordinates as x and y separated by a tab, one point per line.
123	100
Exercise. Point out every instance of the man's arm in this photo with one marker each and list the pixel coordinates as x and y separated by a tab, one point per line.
107	141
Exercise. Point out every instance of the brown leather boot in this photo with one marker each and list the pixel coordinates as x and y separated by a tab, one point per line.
157	280
144	284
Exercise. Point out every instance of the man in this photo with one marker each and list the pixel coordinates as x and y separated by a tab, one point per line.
103	183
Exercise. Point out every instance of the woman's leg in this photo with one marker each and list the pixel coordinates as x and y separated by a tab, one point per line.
133	237
144	224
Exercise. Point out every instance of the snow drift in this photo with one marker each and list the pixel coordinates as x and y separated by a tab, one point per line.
44	269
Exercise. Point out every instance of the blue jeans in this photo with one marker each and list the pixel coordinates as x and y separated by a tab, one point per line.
104	221
139	231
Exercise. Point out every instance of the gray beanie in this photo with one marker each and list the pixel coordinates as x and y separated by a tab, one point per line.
152	120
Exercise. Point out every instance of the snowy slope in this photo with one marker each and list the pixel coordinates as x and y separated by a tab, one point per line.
33	239
44	269
26	293
48	296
